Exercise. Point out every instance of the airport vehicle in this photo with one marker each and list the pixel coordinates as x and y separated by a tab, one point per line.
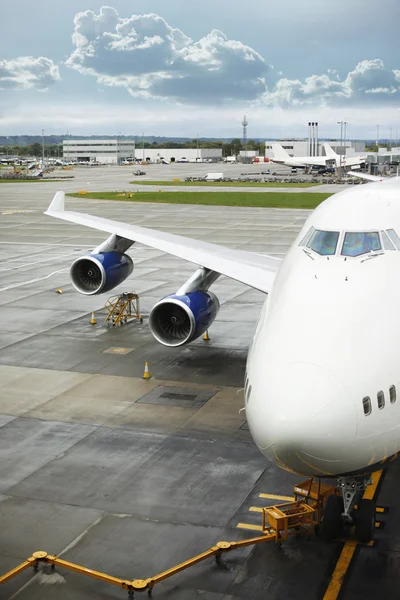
322	375
301	162
139	172
293	171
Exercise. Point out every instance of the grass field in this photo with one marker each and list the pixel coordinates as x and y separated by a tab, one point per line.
268	199
223	183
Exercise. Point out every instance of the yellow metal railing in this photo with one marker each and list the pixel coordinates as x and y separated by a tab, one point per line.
278	522
123	308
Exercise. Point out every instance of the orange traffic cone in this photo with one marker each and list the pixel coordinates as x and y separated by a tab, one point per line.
93	319
206	337
59	291
146	374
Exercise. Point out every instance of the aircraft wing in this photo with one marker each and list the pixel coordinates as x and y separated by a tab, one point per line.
365	176
255	270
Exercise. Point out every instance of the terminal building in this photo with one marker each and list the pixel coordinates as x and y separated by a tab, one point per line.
117	151
300	147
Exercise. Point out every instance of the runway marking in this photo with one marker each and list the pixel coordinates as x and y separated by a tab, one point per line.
50	258
276	497
349	547
340	571
17	285
47	244
14	211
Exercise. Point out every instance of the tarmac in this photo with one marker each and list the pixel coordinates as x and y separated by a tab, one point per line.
131	476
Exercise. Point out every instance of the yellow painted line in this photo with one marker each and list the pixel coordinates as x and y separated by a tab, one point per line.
349	547
276	497
380	509
255	509
371	489
340	571
249	526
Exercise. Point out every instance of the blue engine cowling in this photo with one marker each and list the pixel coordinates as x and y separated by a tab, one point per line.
177	320
98	273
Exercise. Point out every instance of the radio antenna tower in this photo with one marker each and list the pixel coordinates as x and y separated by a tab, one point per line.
244	125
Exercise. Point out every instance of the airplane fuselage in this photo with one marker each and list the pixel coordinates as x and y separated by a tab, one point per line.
327	340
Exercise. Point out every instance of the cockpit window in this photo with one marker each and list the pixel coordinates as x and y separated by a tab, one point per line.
324	242
306	238
357	243
394	238
387	244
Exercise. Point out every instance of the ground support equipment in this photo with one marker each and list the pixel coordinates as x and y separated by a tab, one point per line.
278	522
122	309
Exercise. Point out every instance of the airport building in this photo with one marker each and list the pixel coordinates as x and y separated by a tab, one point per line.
118	151
157	155
101	151
300	147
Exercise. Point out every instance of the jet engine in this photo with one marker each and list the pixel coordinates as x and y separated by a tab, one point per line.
101	272
177	320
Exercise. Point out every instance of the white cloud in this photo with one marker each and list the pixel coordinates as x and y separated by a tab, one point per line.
151	59
148	57
27	72
369	82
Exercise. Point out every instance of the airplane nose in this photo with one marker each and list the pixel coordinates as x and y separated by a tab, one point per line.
303	419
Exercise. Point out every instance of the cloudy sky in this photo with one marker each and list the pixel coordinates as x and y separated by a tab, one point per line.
197	66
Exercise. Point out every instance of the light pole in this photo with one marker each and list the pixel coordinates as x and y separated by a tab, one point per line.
341	146
42	148
377	138
143	146
118	157
197	148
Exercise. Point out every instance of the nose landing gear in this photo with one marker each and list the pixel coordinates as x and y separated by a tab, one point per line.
348	508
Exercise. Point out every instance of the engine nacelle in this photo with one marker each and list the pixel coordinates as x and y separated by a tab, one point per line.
98	273
177	320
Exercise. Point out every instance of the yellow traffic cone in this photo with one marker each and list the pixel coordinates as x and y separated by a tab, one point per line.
206	337
146	374
93	319
59	291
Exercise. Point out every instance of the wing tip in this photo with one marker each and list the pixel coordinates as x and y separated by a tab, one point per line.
57	204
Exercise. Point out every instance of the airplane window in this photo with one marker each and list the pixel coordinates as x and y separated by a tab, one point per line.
392	393
381	399
248	394
367	405
387	244
394	237
324	242
306	238
357	243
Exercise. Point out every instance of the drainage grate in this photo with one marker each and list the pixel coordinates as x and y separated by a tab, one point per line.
178	396
172	396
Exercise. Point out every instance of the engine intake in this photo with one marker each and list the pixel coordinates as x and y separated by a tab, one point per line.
177	320
98	273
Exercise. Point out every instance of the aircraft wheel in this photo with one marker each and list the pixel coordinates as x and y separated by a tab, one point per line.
364	520
332	523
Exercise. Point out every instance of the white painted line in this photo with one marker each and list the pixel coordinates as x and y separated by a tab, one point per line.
50	258
17	285
47	244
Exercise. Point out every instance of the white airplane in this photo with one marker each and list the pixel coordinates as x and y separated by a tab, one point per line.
322	375
330	160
